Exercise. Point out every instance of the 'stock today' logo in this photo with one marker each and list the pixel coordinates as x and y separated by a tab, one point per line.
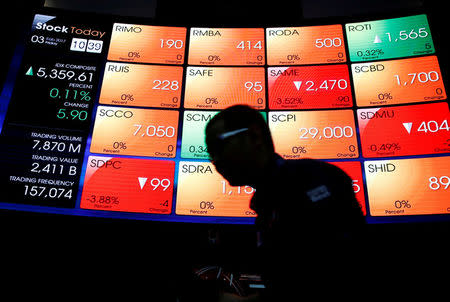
41	23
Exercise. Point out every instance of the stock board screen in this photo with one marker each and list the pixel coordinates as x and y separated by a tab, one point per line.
305	45
226	46
106	118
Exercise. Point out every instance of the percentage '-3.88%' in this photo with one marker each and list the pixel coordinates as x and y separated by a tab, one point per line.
103	199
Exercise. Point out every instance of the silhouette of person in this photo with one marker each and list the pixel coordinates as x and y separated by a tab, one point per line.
309	222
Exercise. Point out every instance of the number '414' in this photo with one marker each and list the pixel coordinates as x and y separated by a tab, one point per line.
249	45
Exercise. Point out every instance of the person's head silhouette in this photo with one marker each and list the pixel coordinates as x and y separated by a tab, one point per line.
239	144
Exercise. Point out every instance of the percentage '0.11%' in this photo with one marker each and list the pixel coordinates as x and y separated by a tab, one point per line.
70	94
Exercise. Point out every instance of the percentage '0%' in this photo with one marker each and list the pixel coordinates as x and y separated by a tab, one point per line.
119	145
292	57
134	54
212	101
127	97
385	96
298	149
207	205
213	58
399	204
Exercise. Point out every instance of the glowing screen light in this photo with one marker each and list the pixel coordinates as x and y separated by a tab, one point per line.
108	118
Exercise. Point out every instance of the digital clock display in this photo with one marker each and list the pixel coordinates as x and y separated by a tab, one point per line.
106	116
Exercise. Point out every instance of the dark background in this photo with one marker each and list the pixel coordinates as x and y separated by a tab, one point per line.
46	255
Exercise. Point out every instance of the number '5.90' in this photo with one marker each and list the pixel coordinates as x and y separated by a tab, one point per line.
72	114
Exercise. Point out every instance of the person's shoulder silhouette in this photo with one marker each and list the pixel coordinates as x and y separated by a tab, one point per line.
307	213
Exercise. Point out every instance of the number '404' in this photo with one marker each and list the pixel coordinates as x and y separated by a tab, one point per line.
433	126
